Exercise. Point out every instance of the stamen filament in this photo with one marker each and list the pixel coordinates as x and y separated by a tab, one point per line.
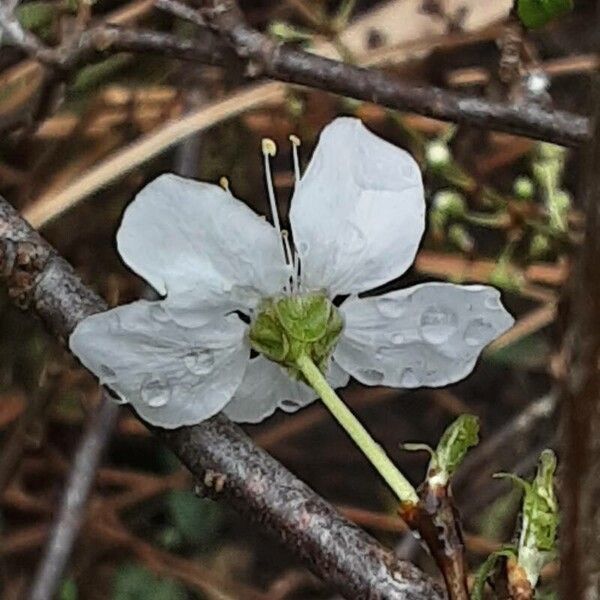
295	144
270	149
288	255
403	489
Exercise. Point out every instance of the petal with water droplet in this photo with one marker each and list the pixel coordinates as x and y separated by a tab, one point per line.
432	337
171	375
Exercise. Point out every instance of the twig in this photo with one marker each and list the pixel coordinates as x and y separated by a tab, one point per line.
217	452
260	55
74	502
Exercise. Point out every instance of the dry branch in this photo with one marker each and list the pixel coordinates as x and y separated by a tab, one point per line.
222	458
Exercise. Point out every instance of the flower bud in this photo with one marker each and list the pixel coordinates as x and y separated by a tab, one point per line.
437	154
523	188
450	203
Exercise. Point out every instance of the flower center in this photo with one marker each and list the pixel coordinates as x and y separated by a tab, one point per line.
290	255
292	326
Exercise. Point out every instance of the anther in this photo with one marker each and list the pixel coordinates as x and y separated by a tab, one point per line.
224	183
269	147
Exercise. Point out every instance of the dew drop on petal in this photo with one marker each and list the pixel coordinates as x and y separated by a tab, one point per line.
155	393
303	248
438	324
398	338
492	301
390	308
409	378
199	362
158	313
371	376
479	332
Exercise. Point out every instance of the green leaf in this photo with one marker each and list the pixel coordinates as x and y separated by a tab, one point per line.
453	446
197	520
536	13
134	582
486	569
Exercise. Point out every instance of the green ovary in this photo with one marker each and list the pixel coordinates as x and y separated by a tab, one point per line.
299	325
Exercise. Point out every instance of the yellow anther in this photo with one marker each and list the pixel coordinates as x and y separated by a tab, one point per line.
295	140
269	147
224	183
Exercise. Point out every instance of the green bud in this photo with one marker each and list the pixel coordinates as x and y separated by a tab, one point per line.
288	33
450	203
452	448
537	540
539	247
523	188
437	154
486	570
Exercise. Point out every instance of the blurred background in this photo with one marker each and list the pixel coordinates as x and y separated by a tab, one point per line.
73	153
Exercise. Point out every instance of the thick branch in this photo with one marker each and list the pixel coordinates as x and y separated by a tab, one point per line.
222	458
580	400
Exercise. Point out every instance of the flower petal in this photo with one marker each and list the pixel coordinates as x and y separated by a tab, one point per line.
427	335
181	234
171	375
358	213
267	386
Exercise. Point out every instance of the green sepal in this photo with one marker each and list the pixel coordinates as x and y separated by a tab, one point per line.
536	13
267	337
487	568
304	317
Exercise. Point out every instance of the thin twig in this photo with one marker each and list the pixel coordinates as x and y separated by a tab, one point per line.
74	502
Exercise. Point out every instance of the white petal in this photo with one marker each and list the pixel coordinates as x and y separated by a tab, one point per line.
181	234
267	386
427	335
172	376
358	213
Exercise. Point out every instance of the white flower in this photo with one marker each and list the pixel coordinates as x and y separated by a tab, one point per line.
357	216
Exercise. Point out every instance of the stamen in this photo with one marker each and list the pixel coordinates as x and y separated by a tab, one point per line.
295	145
270	149
224	183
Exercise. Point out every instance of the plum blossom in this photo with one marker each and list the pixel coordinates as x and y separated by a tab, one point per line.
357	217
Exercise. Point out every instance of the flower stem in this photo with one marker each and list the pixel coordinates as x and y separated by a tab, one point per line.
403	489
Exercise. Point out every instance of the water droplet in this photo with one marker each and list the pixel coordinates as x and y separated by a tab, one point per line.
398	338
492	301
438	324
289	404
409	378
106	373
389	307
371	376
199	362
355	239
303	248
479	332
158	313
155	393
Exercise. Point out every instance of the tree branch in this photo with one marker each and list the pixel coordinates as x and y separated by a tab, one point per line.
222	458
252	52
